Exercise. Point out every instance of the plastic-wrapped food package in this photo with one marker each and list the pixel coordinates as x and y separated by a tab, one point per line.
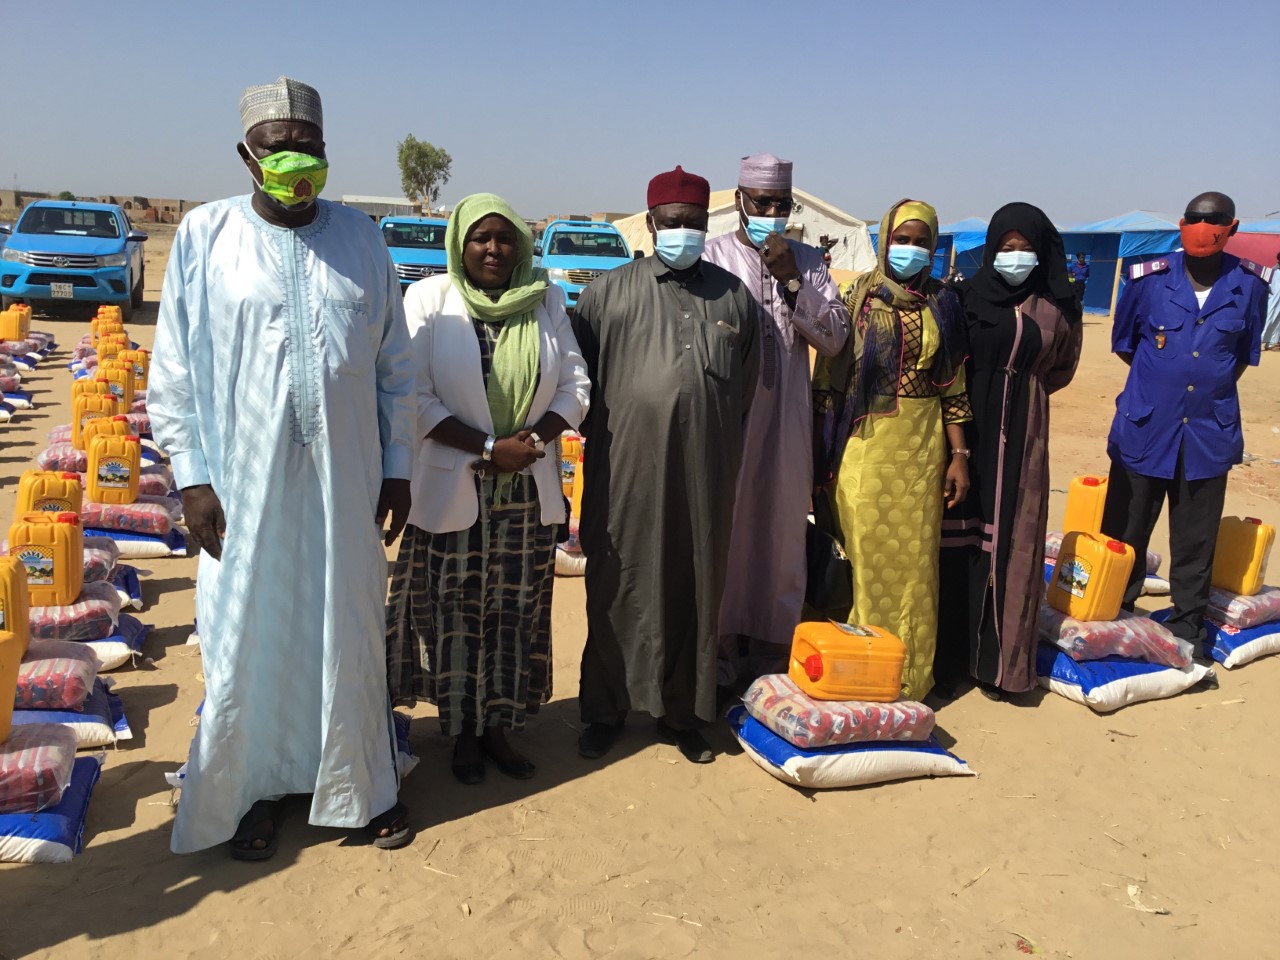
140	404
1234	646
93	616
153	516
35	767
1053	543
1238	611
98	723
777	702
141	424
1132	636
1113	682
846	765
62	457
10	383
55	675
100	558
138	546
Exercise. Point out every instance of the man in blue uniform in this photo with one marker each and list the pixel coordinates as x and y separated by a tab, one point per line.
1079	273
1187	326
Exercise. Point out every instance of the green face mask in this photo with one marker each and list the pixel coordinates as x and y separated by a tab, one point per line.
293	178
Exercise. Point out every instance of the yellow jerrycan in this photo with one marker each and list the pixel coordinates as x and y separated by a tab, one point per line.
1090	576
120	375
1086	497
88	407
11	325
570	462
114	465
47	491
11	653
141	361
117	426
51	548
95	385
845	661
1240	558
15	608
105	328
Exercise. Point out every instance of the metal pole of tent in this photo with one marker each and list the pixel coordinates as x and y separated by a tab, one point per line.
1115	286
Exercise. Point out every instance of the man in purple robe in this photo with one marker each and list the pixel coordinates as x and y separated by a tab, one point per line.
800	306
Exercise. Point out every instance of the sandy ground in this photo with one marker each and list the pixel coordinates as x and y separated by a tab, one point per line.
649	856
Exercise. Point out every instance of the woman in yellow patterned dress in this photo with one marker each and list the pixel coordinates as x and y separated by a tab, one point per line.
894	402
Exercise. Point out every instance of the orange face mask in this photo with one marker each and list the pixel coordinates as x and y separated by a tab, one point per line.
1205	239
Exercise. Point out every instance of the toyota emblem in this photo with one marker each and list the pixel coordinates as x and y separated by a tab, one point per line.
60	261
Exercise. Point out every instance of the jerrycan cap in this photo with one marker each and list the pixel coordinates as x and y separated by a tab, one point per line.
68	518
813	667
1254	520
70	476
1115	546
131	438
1091	481
101	380
121	416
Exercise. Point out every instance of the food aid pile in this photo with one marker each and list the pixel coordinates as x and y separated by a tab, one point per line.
569	559
1091	651
62	592
129	489
21	350
1243	621
835	719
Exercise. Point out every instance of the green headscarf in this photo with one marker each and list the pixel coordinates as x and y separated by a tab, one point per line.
513	376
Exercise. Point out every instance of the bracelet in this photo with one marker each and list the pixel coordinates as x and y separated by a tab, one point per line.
961	452
488	447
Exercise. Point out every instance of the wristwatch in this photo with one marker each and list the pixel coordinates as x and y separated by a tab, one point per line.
488	448
793	286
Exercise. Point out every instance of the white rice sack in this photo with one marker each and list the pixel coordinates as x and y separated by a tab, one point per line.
1113	682
848	765
54	835
569	564
98	723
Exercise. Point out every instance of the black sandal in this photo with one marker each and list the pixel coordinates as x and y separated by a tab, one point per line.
264	813
389	831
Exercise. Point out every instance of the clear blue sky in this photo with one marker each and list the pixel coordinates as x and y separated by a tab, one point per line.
1088	109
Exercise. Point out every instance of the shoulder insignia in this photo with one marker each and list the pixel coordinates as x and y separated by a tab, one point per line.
1140	270
1258	270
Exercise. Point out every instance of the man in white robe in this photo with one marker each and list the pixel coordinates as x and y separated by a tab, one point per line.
282	390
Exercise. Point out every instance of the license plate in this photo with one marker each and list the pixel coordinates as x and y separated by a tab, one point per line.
62	291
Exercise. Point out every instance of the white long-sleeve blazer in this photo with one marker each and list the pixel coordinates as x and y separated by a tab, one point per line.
450	384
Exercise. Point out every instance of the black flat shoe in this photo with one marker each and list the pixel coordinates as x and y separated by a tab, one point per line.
691	743
517	768
468	772
945	691
597	740
991	692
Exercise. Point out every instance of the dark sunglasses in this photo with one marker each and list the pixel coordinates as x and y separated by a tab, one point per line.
781	204
1217	219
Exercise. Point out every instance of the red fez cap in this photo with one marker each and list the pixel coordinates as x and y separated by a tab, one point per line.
676	186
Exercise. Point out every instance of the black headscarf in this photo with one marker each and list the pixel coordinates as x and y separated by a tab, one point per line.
1049	279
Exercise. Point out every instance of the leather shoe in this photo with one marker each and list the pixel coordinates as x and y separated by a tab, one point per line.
518	768
597	740
691	743
470	772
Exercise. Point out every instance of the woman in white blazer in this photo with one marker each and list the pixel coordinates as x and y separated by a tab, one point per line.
500	378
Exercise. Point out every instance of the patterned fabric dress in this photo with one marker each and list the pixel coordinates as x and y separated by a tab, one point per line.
469	617
889	498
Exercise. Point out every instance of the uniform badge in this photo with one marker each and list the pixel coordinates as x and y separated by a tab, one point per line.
1160	341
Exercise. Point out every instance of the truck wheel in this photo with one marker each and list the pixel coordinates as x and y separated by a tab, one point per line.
7	302
135	296
126	310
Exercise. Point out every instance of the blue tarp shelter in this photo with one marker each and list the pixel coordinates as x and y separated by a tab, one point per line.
1115	244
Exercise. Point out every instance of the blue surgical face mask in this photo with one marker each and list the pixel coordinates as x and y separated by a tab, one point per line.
679	247
1015	265
906	260
759	228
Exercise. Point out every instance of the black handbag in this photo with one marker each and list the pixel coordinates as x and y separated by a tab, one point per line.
828	591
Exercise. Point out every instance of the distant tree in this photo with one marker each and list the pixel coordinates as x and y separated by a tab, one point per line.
66	195
424	170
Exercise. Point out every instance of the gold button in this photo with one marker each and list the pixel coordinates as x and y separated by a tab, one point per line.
1162	326
1195	353
1190	389
1201	320
1185	420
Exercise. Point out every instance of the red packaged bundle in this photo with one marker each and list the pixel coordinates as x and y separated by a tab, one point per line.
35	767
93	616
153	516
55	675
779	703
1129	635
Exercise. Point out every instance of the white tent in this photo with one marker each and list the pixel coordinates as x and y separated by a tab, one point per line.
810	219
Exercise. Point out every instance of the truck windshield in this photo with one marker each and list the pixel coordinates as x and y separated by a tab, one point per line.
425	236
70	222
579	243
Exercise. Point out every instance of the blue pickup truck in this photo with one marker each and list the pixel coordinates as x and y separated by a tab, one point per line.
65	251
416	245
575	252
